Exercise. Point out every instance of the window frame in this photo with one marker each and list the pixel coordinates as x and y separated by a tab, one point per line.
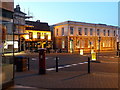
71	30
86	31
79	31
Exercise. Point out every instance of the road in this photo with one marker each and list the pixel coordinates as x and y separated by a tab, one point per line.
75	62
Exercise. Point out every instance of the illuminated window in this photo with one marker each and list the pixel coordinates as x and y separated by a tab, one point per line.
86	31
71	30
82	44
78	43
63	44
91	31
104	32
62	31
38	35
103	44
30	35
45	36
98	32
79	31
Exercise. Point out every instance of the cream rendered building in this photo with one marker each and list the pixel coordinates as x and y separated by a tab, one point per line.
73	36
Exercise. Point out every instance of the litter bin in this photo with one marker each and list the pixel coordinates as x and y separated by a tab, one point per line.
21	63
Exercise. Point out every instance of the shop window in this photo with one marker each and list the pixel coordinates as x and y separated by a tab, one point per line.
46	36
38	35
30	35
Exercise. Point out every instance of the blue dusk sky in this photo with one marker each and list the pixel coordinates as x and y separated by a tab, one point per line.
55	12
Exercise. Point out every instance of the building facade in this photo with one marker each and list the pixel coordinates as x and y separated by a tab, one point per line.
38	35
7	24
19	27
73	36
6	29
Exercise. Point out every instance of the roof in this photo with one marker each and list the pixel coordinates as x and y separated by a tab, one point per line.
41	26
84	23
17	9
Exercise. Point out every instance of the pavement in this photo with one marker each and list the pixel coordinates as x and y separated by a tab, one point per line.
103	76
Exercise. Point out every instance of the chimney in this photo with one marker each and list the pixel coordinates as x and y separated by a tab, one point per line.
38	21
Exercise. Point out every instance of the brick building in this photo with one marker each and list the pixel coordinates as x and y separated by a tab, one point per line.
73	36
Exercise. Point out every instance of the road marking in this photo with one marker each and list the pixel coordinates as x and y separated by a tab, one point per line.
80	63
74	64
34	59
50	69
85	62
65	66
106	57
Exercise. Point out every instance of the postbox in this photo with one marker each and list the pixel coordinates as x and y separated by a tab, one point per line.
42	67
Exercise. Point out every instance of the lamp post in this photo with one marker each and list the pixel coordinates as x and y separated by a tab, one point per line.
99	39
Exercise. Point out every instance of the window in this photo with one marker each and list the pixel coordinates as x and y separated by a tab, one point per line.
91	31
79	31
57	32
98	32
114	33
45	36
62	31
63	44
86	31
30	35
71	30
78	43
108	32
104	32
38	35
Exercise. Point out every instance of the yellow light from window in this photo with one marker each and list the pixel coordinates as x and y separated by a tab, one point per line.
49	37
26	36
34	36
81	51
92	51
42	37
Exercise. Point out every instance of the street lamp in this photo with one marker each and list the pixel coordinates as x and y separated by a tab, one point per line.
99	39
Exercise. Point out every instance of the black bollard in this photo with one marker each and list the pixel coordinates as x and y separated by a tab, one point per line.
56	64
28	63
89	65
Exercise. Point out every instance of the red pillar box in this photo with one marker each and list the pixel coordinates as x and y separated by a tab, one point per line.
42	68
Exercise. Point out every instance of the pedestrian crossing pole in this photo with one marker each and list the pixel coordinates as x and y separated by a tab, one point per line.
56	64
88	65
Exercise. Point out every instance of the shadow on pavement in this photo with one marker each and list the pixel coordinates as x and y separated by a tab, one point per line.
75	76
30	75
